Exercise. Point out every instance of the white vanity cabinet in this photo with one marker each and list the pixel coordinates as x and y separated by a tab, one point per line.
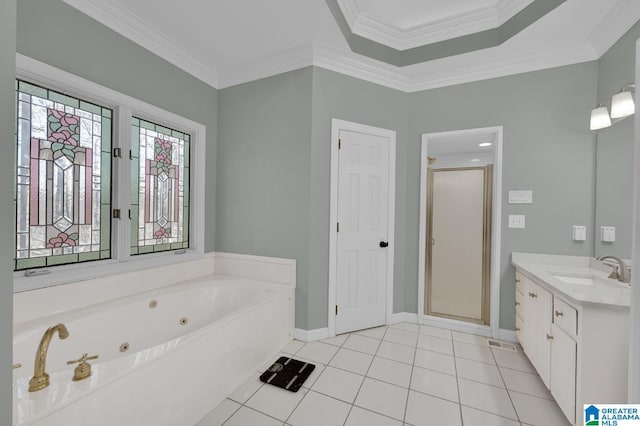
580	350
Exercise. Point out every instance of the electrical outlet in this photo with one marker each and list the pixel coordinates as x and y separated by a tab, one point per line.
516	221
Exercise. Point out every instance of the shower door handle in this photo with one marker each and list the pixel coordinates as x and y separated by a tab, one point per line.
384	244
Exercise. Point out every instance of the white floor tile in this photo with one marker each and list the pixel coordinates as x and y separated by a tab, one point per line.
364	344
436	344
435	331
293	347
414	328
319	410
513	360
473	417
435	384
486	398
338	384
425	410
245	390
356	362
376	333
525	383
220	414
336	341
469	338
473	352
246	416
317	351
389	371
401	337
276	402
396	352
382	398
360	417
538	411
479	371
435	361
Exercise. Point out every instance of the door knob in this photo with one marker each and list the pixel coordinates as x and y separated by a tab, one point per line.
384	244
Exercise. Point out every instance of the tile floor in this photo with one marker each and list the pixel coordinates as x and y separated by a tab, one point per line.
403	374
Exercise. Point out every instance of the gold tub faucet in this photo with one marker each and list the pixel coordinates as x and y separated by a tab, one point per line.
40	379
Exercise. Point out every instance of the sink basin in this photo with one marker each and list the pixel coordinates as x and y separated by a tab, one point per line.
576	279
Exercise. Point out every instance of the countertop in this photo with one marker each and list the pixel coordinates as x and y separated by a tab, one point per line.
605	291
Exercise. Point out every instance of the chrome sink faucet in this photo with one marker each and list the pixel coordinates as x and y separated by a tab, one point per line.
620	272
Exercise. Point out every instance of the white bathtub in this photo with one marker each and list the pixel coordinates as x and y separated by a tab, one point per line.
173	373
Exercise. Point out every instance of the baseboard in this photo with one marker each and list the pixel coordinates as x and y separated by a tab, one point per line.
311	335
508	335
404	317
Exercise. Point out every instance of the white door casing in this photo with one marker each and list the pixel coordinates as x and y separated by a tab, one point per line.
493	330
362	203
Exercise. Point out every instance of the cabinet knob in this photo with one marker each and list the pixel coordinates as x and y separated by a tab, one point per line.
559	314
517	303
549	337
533	295
517	280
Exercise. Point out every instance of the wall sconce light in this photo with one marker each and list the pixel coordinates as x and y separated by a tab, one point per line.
600	118
622	106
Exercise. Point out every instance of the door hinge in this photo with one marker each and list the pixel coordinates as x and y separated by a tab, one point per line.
338	227
339	143
129	214
116	213
336	309
117	153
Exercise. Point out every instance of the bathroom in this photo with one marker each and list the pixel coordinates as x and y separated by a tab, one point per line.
267	180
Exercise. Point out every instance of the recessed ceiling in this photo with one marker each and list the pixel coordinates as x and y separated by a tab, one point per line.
460	144
227	42
411	23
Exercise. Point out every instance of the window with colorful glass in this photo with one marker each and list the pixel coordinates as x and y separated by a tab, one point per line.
160	188
63	178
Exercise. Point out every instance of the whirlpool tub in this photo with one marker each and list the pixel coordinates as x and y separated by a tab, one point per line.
166	356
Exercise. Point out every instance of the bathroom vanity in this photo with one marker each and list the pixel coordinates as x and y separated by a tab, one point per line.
573	324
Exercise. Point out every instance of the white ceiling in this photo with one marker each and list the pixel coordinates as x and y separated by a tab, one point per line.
226	42
460	144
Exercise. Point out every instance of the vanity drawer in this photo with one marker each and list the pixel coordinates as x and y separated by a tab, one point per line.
565	317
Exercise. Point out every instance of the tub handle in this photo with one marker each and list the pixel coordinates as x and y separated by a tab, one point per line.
83	370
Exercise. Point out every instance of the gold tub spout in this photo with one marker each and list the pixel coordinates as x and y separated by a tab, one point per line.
40	379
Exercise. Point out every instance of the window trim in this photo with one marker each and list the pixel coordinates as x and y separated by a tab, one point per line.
124	107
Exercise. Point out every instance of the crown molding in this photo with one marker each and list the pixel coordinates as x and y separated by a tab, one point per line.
369	27
614	25
525	61
284	61
135	29
363	68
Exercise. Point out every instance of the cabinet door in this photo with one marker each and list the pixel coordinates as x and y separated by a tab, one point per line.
543	302
563	372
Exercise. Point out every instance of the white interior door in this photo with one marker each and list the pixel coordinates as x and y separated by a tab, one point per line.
363	227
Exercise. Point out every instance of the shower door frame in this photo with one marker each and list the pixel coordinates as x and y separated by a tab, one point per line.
493	329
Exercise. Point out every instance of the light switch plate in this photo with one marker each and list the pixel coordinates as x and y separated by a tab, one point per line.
516	221
608	234
520	197
579	233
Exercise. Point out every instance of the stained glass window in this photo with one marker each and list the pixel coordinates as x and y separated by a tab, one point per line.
63	179
160	188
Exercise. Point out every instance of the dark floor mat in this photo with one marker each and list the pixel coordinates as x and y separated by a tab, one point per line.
288	373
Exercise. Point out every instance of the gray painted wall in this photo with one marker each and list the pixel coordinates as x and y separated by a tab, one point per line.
7	135
548	148
614	164
347	98
264	158
101	55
